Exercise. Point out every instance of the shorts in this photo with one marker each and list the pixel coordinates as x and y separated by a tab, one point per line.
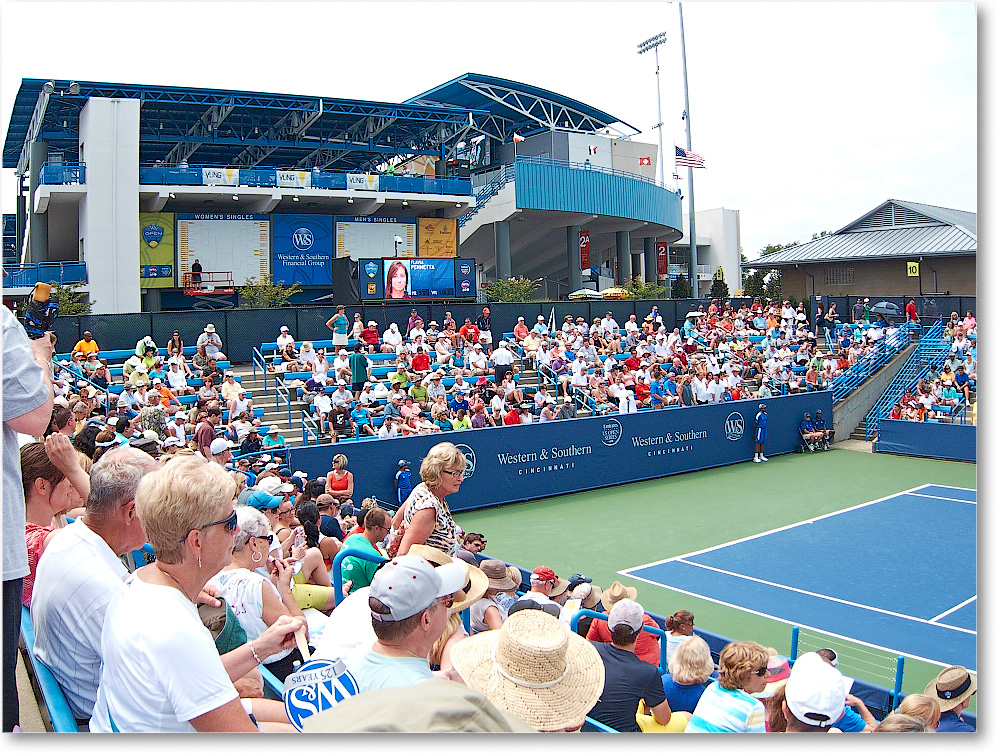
309	596
356	387
486	336
761	436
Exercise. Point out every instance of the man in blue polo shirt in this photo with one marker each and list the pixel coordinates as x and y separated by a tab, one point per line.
962	381
656	398
459	402
760	426
809	433
819	423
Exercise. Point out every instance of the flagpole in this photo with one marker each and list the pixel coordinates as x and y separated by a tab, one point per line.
693	239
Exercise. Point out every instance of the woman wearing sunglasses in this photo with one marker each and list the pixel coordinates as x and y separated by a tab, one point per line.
161	671
728	705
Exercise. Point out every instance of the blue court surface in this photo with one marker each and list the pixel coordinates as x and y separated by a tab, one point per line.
897	573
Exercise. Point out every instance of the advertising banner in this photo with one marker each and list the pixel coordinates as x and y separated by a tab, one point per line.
295	179
661	258
220	176
465	278
302	249
366	182
437	237
156	250
584	249
524	462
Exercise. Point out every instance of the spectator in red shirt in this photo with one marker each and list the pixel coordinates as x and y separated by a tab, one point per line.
370	335
647	647
520	330
632	361
469	331
421	362
911	311
514	416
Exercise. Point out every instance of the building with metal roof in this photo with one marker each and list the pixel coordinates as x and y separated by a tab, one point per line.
899	248
104	170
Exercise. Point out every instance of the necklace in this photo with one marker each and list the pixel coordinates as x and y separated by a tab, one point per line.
178	582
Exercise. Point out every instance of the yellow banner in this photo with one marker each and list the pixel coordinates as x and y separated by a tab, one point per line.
437	237
156	250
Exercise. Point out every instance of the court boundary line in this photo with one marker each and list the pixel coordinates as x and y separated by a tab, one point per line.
792	623
629	570
826	597
944	498
953	609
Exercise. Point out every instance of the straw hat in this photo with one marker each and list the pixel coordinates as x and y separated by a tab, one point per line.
476	584
616	592
534	667
432	555
496	573
952	686
588	594
514	573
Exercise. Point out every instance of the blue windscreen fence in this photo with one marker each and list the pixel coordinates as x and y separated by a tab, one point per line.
524	462
940	440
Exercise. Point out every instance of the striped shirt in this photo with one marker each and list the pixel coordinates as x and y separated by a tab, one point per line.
725	710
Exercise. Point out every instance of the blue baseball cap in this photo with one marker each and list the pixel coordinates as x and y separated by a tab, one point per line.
262	500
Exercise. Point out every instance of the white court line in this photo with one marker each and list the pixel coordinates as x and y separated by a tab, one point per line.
771	532
943	498
953	609
819	595
791	622
941	485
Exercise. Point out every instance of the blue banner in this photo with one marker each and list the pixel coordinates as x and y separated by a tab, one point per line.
941	440
302	249
520	463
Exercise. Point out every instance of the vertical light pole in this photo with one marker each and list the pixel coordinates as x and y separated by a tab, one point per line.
652	44
687	125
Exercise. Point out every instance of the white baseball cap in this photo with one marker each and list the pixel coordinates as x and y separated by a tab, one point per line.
625	612
218	446
409	584
816	691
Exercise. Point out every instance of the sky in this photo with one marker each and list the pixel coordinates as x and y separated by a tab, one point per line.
808	114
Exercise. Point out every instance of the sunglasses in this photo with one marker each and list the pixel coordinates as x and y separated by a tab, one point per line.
762	672
229	522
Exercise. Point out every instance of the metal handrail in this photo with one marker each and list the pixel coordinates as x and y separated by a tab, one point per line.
338	587
575	621
281	393
309	429
868	364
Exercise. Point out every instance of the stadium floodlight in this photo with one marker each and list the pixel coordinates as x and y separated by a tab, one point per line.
74	88
295	199
236	197
652	44
405	203
49	87
350	200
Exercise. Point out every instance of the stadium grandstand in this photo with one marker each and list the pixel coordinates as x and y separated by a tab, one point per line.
484	454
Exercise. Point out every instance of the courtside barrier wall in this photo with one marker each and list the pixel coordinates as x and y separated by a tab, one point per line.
520	463
939	440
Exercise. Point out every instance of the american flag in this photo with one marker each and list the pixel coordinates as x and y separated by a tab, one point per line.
690	159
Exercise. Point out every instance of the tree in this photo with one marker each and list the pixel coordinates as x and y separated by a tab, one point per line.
820	235
720	289
753	282
71	301
265	295
680	289
514	289
639	289
770	249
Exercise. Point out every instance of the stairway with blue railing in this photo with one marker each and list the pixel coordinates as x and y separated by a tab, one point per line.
484	195
873	361
932	349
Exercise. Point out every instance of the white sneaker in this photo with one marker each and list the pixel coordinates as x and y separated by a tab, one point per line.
763	458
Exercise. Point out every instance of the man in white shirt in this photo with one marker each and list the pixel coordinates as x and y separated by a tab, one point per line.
503	358
80	572
212	343
284	338
609	324
176	380
478	364
631	326
391	338
342	366
546	586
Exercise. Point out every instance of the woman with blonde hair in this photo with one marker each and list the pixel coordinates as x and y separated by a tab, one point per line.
154	640
688	670
902	723
424	517
340	481
728	705
924	708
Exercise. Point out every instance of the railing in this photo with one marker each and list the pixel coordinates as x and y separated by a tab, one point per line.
176	175
105	390
874	360
335	581
931	349
62	173
51	272
595	169
309	429
657	631
281	395
484	195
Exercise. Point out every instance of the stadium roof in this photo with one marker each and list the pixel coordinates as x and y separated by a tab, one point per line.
229	127
894	229
522	108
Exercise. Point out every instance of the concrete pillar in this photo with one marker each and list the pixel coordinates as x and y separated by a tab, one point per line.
38	223
501	248
109	213
573	258
624	257
637	264
649	257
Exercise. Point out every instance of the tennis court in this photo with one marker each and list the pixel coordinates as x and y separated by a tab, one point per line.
882	573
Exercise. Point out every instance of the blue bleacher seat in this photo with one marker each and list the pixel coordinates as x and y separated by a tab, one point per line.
58	708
